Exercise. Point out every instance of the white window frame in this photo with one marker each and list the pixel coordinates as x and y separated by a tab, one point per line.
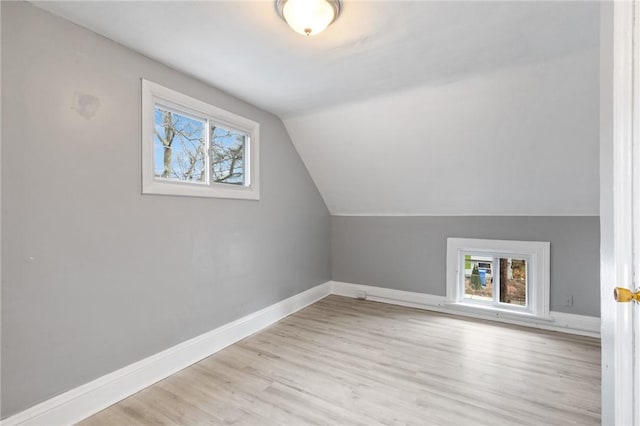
154	94
537	255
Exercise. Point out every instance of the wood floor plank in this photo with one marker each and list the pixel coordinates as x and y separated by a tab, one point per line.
351	362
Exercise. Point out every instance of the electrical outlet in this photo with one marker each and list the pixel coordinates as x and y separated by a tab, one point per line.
361	294
567	300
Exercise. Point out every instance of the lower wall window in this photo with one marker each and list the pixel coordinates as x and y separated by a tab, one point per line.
501	275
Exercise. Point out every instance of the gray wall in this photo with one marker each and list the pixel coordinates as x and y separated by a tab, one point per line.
409	253
96	276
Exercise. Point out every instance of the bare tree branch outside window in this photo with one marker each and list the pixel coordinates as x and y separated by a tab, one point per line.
180	150
227	156
180	147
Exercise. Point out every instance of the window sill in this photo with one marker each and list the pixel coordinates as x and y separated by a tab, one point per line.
158	187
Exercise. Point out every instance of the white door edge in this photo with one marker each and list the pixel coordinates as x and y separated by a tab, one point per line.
623	203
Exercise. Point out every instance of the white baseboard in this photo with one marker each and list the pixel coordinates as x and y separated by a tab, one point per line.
388	295
557	321
86	400
578	323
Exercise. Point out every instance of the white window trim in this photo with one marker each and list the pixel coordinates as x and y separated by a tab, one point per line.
538	283
152	93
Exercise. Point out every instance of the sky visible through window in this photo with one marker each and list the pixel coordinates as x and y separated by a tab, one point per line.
227	155
180	150
179	146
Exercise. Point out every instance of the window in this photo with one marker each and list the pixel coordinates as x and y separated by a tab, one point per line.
192	148
510	276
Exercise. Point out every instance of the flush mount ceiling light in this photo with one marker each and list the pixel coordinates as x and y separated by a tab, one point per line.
308	17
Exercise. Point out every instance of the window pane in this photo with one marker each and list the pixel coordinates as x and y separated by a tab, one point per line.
227	156
478	277
513	281
179	147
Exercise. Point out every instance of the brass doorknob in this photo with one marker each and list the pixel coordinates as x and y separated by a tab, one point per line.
625	295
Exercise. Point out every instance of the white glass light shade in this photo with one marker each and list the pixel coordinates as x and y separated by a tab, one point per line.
309	17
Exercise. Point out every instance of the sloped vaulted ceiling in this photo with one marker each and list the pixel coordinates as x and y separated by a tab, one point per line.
402	107
519	141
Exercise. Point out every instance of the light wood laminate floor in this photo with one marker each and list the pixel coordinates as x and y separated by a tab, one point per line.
344	361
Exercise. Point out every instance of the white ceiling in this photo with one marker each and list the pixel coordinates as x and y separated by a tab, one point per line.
373	48
402	107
